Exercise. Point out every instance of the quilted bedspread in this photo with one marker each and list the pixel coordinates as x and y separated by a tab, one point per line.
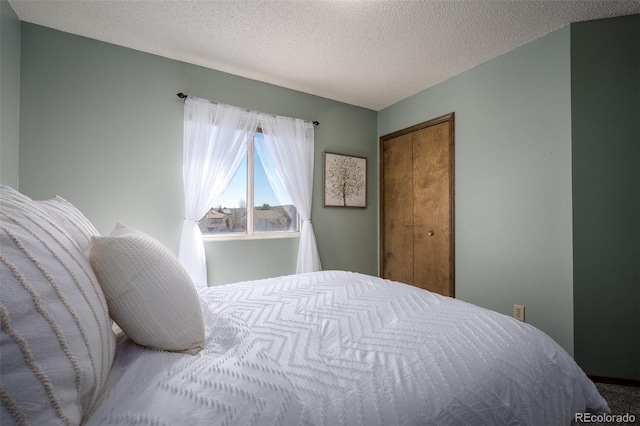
340	348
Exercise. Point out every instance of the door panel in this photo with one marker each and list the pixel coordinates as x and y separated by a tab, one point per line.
397	204
431	208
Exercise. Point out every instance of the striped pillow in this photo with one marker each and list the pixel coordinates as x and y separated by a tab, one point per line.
80	228
56	341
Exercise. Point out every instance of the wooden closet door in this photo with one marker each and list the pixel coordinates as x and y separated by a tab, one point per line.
431	209
416	206
397	205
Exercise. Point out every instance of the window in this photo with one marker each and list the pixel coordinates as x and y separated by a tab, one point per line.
250	207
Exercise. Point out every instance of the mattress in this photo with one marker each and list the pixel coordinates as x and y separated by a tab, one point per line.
341	348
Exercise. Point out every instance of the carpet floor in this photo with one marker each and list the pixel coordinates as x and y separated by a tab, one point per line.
621	400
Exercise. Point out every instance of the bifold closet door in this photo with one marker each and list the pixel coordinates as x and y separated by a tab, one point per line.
431	215
416	206
397	205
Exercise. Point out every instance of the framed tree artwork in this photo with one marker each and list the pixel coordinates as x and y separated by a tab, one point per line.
344	180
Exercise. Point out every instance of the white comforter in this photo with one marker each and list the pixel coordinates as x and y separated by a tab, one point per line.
339	348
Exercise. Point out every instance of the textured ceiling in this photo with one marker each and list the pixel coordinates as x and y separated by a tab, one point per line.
363	52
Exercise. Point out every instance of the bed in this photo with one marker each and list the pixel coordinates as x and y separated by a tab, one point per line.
325	348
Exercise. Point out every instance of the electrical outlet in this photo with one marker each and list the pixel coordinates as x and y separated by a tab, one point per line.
518	312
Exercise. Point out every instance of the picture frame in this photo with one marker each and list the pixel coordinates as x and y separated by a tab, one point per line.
344	180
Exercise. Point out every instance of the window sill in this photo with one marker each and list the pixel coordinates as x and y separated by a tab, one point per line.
239	237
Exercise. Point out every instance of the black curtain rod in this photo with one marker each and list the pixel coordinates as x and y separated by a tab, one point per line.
183	96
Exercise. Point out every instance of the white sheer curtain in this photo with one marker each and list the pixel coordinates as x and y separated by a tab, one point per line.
289	142
215	142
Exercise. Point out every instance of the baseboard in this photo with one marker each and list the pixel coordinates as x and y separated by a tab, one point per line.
615	381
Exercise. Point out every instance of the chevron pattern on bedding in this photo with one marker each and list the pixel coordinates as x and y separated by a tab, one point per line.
340	348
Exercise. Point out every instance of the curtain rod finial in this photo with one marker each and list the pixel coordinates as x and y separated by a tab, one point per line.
182	95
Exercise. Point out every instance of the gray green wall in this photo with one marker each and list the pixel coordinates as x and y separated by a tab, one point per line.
605	87
101	125
9	94
512	179
547	186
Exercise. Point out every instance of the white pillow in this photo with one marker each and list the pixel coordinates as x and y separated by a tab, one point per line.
56	342
150	295
80	228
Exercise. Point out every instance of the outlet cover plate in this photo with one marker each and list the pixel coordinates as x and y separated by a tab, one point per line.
518	312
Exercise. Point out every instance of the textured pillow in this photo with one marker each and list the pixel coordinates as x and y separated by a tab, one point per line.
80	228
56	342
150	295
